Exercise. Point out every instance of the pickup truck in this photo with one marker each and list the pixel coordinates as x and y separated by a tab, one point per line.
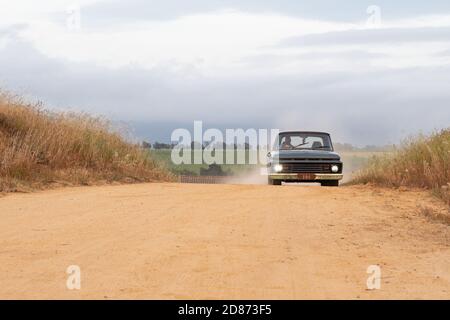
304	156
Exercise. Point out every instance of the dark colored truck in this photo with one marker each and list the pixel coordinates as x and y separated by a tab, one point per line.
304	156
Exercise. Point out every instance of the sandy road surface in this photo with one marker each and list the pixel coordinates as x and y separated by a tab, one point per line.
221	241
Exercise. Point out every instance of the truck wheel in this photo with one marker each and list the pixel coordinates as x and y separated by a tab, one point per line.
274	182
330	183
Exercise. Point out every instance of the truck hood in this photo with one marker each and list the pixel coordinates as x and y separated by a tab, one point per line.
305	154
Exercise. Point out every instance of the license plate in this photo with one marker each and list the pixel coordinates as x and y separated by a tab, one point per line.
306	176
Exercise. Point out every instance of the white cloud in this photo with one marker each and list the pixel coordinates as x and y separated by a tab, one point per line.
30	12
215	43
210	41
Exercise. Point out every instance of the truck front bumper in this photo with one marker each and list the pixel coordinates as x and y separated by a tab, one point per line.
305	176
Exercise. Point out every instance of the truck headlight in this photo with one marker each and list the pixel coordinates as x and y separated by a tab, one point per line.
278	168
334	168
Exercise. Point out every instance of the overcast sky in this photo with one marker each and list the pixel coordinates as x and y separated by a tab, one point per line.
369	75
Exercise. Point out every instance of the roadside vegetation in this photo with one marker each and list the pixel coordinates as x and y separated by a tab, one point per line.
41	148
422	162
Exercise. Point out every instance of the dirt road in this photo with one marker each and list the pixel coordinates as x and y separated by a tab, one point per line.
221	241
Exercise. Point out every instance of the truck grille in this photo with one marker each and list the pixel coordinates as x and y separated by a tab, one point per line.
306	168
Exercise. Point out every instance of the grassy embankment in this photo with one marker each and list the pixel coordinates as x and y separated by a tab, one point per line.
422	162
41	149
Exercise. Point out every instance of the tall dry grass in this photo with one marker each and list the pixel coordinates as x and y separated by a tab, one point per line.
422	162
39	148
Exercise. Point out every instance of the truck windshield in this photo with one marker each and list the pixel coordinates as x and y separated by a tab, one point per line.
304	141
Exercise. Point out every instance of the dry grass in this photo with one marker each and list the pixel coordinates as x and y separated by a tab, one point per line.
433	214
39	148
422	162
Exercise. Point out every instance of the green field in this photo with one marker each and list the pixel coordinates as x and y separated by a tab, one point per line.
353	160
163	156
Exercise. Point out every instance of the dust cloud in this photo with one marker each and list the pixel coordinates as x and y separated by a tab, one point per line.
255	176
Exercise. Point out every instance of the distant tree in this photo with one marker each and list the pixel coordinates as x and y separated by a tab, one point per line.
369	148
213	170
158	145
344	146
146	145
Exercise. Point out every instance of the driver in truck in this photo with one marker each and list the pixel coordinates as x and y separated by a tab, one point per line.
286	145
